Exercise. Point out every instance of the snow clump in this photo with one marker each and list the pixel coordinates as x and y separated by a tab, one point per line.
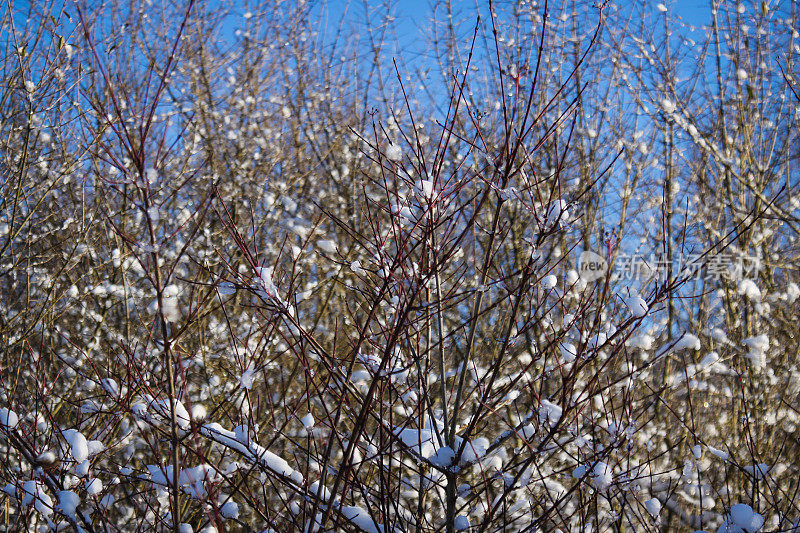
394	153
742	519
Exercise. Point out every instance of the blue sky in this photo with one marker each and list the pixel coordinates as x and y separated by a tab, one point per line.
408	44
411	14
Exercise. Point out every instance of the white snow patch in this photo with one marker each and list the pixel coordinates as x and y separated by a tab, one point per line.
443	457
68	503
82	468
308	421
247	377
169	302
427	444
743	519
46	458
327	246
758	471
425	188
602	475
199	412
79	447
357	269
230	510
749	290
637	306
251	450
264	280
548	282
394	152
718	453
33	493
182	417
361	519
686	341
653	507
110	386
758	350
107	501
568	352
549	413
94	487
8	419
643	341
792	292
557	213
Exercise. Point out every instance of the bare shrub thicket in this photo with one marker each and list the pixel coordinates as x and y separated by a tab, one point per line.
272	267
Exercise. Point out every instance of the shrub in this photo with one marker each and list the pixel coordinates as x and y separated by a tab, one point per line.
257	276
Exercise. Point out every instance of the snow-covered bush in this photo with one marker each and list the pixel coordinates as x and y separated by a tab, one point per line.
254	279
